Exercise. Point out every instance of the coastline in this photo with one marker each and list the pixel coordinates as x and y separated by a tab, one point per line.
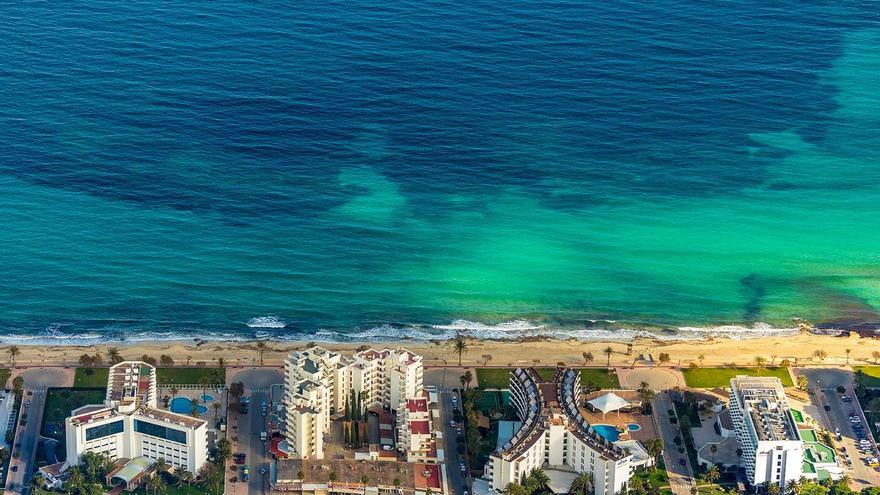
798	348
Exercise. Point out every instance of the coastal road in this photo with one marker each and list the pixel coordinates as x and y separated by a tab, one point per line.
257	383
26	439
457	479
36	383
824	382
681	478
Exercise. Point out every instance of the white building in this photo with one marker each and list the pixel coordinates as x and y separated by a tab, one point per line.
773	451
555	436
129	425
319	384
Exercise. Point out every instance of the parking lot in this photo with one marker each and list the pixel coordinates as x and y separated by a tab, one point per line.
840	413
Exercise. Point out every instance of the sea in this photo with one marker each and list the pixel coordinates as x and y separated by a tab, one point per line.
388	170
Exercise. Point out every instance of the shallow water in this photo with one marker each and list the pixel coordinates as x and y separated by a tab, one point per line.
378	170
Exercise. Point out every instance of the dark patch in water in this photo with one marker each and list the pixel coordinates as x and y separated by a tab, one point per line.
754	292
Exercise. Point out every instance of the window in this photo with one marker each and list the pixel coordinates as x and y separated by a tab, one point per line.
159	431
104	430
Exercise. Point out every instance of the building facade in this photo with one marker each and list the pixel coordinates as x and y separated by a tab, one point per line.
321	383
129	424
773	451
555	435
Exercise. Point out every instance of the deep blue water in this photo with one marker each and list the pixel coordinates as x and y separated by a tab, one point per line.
172	167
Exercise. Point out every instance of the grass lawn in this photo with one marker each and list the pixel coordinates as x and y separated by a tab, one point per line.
165	376
872	375
59	403
500	377
188	376
90	377
720	377
4	376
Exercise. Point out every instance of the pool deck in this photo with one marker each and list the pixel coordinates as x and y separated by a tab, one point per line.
646	429
209	414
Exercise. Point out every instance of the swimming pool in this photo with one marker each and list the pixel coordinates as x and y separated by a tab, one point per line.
207	398
182	405
609	432
633	427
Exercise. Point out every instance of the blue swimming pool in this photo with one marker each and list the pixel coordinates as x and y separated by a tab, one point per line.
182	405
609	432
207	398
633	427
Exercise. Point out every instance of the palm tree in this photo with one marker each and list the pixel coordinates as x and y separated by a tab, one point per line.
162	466
466	378
184	476
204	381
581	485
876	356
773	489
13	351
216	407
332	476
713	474
700	358
608	351
539	478
194	408
261	348
396	484
364	480
514	488
847	351
37	483
713	449
458	345
113	356
188	359
159	485
588	357
174	390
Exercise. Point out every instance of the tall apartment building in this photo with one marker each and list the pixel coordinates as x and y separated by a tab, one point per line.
319	383
555	435
129	425
773	451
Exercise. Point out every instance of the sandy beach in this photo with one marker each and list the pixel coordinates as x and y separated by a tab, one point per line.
799	349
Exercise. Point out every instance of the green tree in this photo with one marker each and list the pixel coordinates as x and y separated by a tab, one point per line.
14	352
113	356
608	351
18	385
582	484
261	348
760	362
459	345
588	357
465	379
802	382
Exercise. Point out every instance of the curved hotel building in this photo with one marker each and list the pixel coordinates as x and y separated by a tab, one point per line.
555	436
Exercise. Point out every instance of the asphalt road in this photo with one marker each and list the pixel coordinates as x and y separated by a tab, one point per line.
823	383
257	383
26	439
457	479
680	477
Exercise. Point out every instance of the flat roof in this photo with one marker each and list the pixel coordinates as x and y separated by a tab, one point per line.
411	475
130	382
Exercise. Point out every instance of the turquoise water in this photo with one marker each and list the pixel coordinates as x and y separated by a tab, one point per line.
633	427
609	432
207	398
183	405
378	170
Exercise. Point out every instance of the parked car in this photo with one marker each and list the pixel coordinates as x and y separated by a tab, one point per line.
245	473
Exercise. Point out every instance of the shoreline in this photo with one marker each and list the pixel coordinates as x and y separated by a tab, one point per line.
798	348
